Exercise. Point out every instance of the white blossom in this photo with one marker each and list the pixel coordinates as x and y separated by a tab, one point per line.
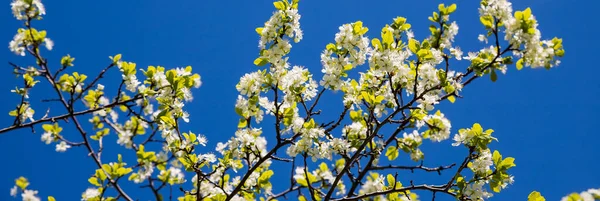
16	45
476	191
13	191
62	146
90	194
48	43
30	195
482	163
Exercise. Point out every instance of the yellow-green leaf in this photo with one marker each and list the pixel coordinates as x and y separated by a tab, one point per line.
451	9
477	128
496	157
260	61
412	45
387	37
94	181
486	21
520	64
242	123
22	183
451	99
535	196
259	30
348	67
507	163
391	153
116	58
376	43
378	99
279	5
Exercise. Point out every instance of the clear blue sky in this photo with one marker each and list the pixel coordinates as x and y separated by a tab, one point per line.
547	120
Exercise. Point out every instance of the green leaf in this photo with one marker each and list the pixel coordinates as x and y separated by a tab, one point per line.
390	179
535	196
399	20
348	67
260	61
279	5
424	54
387	36
48	127
259	30
193	137
507	163
22	183
451	9
309	124
357	27
94	181
323	167
116	58
452	99
477	128
242	123
301	198
486	21
496	157
495	186
13	113
100	174
376	43
50	198
441	8
413	45
391	153
123	171
171	76
405	27
331	47
493	76
355	115
378	99
527	13
520	64
302	182
265	176
559	53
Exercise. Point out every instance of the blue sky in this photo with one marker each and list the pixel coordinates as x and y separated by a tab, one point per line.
545	119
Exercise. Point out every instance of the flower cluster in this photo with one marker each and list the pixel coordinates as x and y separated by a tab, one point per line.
29	37
21	185
27	9
349	51
588	195
284	22
521	30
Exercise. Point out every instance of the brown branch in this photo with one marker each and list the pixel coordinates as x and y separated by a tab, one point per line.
413	168
100	75
66	116
282	194
43	64
433	188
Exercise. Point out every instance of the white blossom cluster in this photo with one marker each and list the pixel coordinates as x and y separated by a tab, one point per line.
24	10
349	51
477	191
521	29
588	195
